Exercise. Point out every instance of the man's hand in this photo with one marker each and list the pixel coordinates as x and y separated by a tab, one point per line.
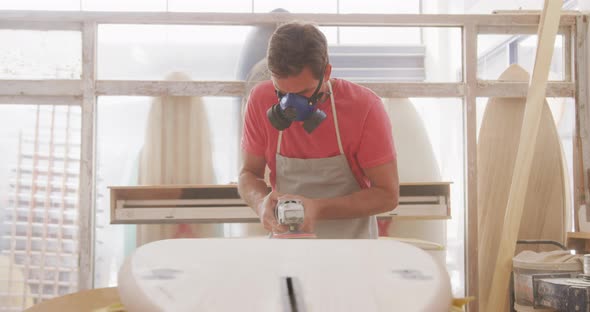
266	213
310	212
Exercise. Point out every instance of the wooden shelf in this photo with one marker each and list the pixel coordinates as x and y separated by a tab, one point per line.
221	204
579	241
578	235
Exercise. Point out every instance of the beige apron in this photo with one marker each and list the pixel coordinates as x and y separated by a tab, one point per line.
324	178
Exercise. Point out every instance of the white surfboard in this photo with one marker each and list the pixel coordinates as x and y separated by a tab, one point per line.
415	156
177	150
282	275
416	162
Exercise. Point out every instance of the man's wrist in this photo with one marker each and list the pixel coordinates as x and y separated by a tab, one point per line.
317	207
258	206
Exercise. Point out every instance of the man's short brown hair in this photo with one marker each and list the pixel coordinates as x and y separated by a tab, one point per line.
295	45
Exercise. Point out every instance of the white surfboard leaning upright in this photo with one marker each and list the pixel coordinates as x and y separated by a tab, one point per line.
416	162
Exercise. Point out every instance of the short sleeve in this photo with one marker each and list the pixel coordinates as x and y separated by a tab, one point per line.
376	144
253	133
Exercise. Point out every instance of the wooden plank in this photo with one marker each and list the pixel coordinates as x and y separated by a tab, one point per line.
578	156
222	203
68	90
414	89
170	88
237	88
64	189
515	30
578	241
232	186
41	87
568	54
470	152
172	191
171	203
582	235
197	18
222	214
40	100
31	214
173	186
46	207
228	212
13	268
520	12
534	106
582	132
86	188
40	25
492	88
219	215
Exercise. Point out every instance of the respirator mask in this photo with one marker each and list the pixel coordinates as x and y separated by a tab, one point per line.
295	107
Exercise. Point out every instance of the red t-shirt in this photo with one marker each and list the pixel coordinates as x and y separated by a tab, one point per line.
365	130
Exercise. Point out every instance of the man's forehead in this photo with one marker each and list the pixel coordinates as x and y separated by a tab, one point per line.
290	85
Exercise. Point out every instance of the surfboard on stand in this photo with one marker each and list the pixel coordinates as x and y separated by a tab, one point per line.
270	275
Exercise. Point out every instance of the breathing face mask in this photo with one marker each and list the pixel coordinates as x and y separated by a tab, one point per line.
295	107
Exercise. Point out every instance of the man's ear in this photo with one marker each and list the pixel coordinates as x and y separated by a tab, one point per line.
327	72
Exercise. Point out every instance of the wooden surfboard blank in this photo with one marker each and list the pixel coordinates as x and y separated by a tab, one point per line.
545	203
251	275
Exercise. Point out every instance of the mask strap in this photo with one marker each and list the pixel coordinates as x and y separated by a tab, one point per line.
316	94
279	94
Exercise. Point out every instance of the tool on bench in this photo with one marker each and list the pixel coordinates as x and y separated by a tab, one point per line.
290	212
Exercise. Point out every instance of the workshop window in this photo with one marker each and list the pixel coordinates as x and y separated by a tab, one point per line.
27	54
496	52
151	52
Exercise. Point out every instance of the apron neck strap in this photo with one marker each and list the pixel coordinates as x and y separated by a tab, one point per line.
279	142
340	148
335	118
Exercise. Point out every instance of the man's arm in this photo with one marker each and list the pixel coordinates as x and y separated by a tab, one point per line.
251	184
381	197
254	191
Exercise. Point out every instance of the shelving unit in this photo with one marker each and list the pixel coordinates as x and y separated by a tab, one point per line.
222	204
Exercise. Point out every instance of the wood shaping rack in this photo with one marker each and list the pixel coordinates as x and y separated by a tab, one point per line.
573	26
222	204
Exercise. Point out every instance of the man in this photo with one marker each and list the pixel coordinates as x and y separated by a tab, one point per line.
328	142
